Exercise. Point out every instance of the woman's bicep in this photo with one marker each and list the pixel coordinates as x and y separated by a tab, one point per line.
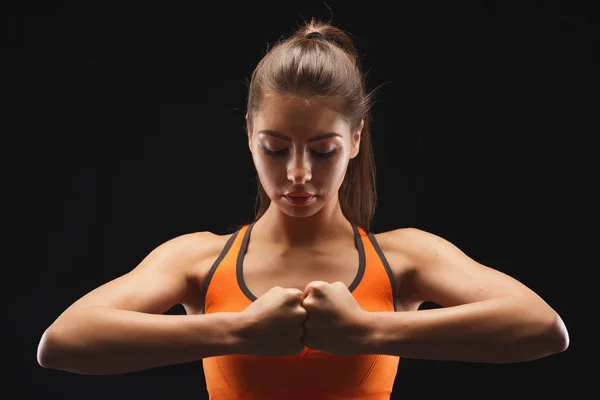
445	275
160	281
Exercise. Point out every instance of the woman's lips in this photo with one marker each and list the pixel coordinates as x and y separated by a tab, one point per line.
299	194
299	200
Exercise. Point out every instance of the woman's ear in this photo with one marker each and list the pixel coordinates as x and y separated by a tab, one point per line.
249	134
356	139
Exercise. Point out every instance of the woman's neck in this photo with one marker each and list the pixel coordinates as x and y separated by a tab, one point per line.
277	228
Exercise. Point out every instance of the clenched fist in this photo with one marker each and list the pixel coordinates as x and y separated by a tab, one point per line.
325	317
273	324
336	323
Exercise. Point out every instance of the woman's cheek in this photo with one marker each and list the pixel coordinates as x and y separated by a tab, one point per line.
267	174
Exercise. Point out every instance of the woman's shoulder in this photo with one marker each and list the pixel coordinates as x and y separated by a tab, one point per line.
395	237
409	241
194	248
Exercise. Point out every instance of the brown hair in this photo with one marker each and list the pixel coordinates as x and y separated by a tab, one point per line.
320	59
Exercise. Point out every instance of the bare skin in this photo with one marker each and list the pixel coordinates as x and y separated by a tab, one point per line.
118	327
333	260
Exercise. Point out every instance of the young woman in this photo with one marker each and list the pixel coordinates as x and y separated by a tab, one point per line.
304	301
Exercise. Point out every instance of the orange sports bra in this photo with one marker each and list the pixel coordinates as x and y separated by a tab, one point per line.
312	374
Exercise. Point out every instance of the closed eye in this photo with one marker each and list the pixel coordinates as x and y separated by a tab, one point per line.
316	154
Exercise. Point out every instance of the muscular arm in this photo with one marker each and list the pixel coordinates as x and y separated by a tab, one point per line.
486	316
119	327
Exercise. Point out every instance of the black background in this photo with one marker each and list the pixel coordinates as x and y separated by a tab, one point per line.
123	126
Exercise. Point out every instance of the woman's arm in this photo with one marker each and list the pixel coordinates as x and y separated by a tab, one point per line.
118	328
486	316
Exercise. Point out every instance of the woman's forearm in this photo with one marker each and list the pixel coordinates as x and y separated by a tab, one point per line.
102	341
501	330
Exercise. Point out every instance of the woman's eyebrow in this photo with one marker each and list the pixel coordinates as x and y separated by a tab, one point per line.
312	139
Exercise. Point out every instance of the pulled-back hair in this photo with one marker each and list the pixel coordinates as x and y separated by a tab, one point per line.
321	60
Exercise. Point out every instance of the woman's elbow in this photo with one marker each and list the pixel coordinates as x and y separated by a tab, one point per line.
45	349
52	350
559	334
554	336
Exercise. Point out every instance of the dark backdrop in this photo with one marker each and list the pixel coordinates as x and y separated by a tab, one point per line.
123	128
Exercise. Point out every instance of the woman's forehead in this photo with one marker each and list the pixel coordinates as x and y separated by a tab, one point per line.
298	113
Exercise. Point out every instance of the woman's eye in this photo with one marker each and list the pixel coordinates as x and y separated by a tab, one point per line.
324	155
316	154
274	153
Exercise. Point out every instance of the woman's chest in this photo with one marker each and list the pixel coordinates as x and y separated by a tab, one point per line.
261	270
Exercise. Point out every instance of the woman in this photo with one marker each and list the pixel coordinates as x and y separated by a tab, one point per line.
305	302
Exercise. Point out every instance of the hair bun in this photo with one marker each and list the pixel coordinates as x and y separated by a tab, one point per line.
315	35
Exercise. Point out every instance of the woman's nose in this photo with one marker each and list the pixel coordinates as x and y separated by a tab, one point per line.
299	171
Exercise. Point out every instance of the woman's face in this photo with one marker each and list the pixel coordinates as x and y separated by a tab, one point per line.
301	146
